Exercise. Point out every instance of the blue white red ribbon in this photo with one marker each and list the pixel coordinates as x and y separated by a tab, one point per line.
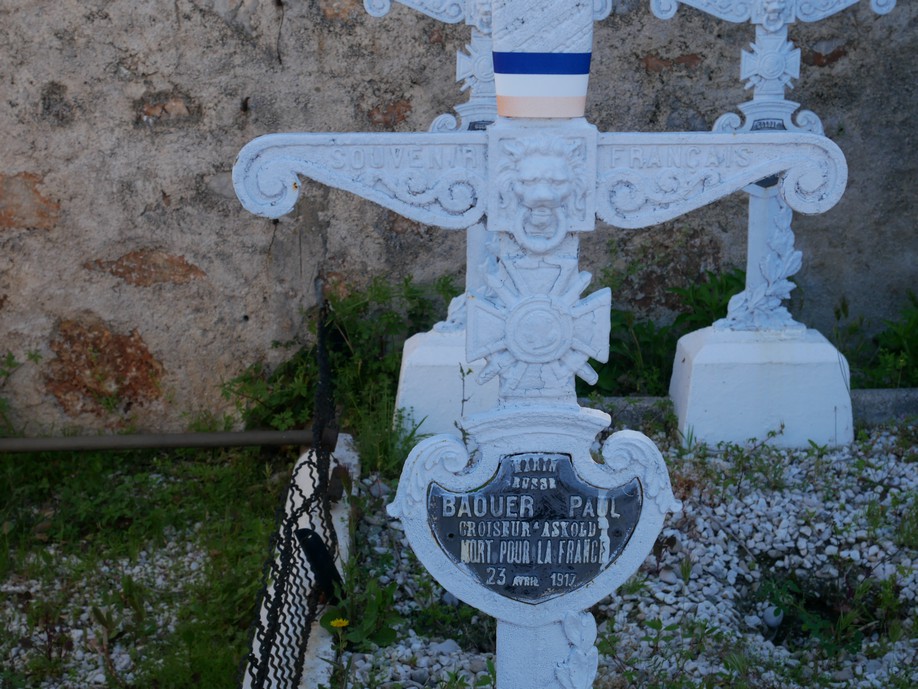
541	84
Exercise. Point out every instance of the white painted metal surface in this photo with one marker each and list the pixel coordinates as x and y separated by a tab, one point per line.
731	386
537	183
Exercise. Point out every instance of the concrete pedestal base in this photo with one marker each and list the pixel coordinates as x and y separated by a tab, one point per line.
431	385
730	386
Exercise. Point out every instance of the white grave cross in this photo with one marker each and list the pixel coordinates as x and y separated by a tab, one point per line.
756	351
522	522
768	68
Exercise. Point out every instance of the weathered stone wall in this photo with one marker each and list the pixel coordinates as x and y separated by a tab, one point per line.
128	265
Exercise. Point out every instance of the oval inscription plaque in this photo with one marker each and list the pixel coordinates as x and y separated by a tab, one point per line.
535	530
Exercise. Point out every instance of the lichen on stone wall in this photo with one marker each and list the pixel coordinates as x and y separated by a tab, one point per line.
389	115
56	107
643	267
101	372
147	267
166	108
340	9
23	206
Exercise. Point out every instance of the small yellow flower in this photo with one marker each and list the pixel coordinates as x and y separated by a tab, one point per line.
339	622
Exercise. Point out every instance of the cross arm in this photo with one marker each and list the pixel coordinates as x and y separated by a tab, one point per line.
746	10
815	11
435	179
647	179
730	11
448	11
454	11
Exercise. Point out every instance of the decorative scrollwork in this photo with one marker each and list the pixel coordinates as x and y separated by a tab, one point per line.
815	10
628	454
882	6
808	121
430	459
268	187
444	123
601	9
453	192
627	194
657	177
664	9
728	123
730	10
579	668
769	116
815	184
434	179
449	11
377	8
778	114
773	15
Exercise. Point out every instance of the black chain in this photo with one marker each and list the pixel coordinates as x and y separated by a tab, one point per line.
287	607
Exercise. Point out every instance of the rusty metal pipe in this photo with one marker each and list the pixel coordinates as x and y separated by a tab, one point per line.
163	441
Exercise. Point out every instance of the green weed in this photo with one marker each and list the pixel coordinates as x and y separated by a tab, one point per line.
836	614
366	330
677	644
384	435
457	680
754	465
466	625
906	535
733	470
634	585
66	516
74	501
235	499
641	352
365	614
47	619
706	301
898	349
640	358
888	359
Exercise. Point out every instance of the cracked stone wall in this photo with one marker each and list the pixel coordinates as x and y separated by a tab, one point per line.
128	266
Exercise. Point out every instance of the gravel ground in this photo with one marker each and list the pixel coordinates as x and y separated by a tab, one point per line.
86	614
842	525
707	605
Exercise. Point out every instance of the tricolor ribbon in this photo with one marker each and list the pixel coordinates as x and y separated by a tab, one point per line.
541	84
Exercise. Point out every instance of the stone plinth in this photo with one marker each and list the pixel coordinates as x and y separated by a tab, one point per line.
431	385
730	386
